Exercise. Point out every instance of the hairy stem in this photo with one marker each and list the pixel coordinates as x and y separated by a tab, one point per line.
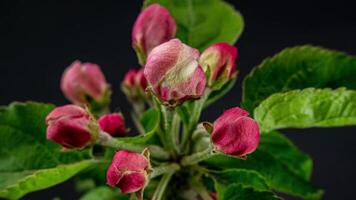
163	169
201	189
138	109
105	139
170	130
197	157
189	128
162	186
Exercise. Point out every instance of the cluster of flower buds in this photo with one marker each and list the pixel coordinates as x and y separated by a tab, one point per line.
128	171
74	127
134	84
173	72
235	133
85	84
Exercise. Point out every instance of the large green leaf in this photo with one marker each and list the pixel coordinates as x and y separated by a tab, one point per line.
280	147
298	68
238	192
204	22
28	162
277	175
307	108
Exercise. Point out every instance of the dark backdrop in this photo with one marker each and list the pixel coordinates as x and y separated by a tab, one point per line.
40	38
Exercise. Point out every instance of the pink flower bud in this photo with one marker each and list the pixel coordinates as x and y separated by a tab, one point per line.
134	84
113	123
235	133
153	27
83	81
173	72
219	59
129	79
140	80
128	171
71	126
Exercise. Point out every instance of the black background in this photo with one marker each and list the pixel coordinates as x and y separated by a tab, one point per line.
40	38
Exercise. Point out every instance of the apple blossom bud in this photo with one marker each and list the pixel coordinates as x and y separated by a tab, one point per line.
128	171
71	126
173	73
235	133
213	195
218	62
153	27
134	84
82	82
113	123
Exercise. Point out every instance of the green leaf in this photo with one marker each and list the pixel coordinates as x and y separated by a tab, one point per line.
298	68
185	111
286	152
28	162
217	94
238	192
307	108
250	178
14	185
150	120
277	175
202	23
245	177
104	193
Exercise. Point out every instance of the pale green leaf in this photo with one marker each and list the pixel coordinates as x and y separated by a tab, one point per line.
298	68
14	185
307	108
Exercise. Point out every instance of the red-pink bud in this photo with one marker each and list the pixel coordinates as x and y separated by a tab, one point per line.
81	81
128	171
212	195
140	80
113	123
153	27
219	59
129	79
235	133
134	84
71	126
173	72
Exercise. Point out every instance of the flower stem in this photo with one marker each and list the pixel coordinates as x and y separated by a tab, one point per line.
197	157
189	128
105	139
170	131
201	189
163	169
162	185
